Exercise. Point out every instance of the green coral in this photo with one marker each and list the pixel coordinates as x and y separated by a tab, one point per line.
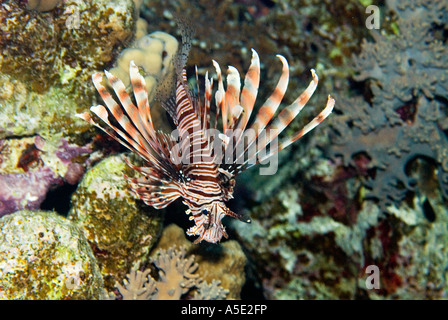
120	228
45	256
81	35
48	58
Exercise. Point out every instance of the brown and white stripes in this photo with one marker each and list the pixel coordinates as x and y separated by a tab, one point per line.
200	159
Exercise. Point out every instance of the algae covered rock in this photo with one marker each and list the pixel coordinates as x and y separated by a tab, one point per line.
47	59
78	36
45	256
31	166
120	228
410	252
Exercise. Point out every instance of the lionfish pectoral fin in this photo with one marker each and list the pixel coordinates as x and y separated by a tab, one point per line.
151	188
242	217
158	197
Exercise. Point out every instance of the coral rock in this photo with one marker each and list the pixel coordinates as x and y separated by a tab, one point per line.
42	5
68	44
119	227
45	256
32	166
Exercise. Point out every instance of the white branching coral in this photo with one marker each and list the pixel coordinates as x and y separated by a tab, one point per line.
176	277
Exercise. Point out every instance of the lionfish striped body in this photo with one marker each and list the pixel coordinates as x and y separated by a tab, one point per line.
187	163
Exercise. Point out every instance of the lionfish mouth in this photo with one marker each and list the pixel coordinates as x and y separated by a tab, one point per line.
208	222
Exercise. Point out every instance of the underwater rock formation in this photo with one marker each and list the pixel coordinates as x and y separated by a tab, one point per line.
120	229
407	75
32	166
44	89
45	256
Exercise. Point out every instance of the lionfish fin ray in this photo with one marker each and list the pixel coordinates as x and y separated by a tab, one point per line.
249	94
269	108
284	118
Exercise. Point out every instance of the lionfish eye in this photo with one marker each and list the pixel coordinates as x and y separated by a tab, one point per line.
205	212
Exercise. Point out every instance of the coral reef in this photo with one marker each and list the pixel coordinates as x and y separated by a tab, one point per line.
319	231
58	47
45	256
120	229
44	89
314	231
406	74
300	255
303	248
176	277
409	249
25	112
310	34
32	166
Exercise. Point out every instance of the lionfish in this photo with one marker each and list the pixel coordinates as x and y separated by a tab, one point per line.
186	163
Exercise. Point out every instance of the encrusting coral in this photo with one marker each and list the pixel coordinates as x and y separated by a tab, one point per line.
176	278
68	44
32	166
45	256
120	230
407	75
80	37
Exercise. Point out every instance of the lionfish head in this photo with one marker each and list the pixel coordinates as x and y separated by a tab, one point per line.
208	221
